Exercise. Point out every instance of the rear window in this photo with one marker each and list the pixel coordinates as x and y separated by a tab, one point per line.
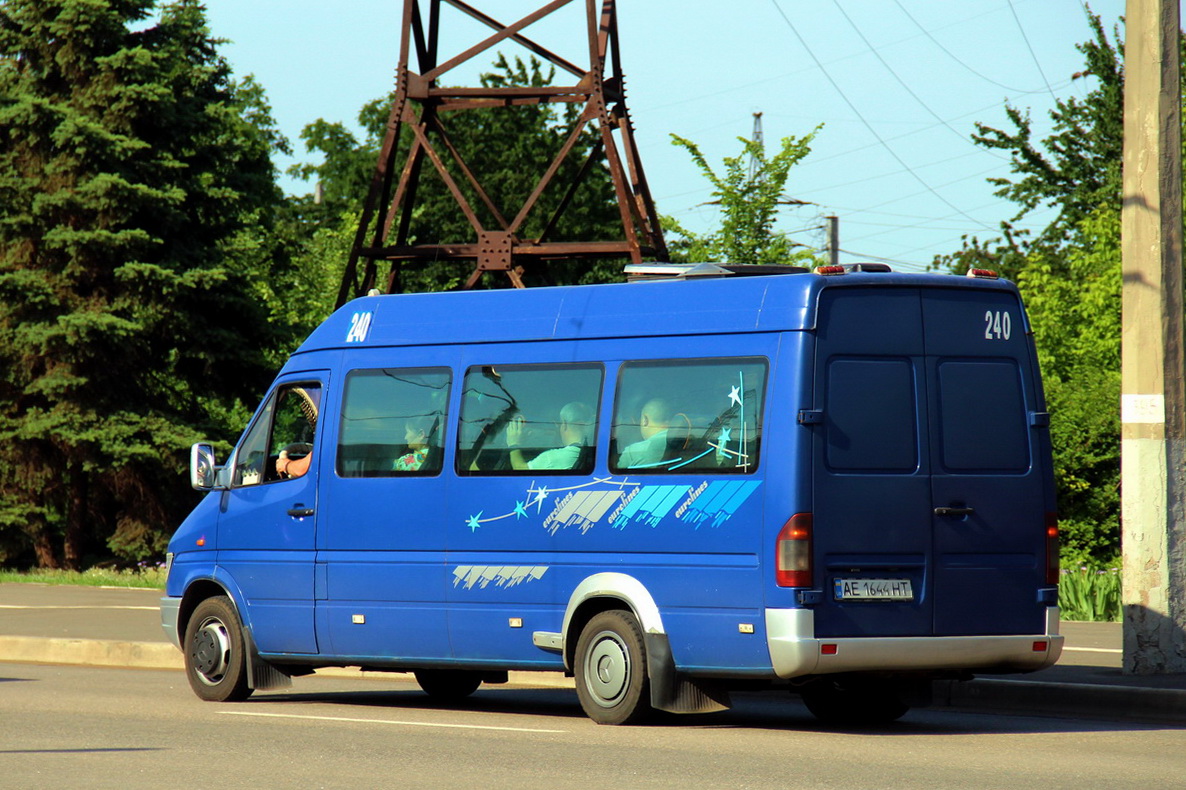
983	417
871	415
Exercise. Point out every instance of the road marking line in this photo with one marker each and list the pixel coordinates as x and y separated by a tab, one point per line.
383	721
136	608
1092	650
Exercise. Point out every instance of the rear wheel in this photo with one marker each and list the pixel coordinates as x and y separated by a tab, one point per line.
215	657
610	664
852	701
448	685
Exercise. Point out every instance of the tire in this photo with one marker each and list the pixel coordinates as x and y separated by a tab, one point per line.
448	685
853	702
215	656
611	674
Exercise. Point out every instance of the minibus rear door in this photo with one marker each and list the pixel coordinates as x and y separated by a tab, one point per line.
989	483
871	476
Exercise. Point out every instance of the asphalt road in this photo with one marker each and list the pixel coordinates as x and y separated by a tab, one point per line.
120	628
87	727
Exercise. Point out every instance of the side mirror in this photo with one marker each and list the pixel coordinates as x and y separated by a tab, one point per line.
202	467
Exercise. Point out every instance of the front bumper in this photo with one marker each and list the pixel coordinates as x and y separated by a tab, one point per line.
170	609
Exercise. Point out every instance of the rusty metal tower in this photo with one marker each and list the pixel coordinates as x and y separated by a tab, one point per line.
419	103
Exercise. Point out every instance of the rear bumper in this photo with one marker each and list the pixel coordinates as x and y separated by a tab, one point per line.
795	651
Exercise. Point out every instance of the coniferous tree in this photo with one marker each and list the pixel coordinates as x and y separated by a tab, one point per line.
135	195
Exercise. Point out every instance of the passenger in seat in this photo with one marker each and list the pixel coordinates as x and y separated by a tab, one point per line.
576	424
416	433
653	423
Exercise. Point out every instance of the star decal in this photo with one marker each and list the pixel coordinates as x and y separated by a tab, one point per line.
725	437
520	511
473	522
735	395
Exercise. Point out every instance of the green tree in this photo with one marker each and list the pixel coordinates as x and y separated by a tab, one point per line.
1069	275
507	147
1075	169
136	191
750	199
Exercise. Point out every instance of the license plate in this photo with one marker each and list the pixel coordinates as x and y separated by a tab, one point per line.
873	590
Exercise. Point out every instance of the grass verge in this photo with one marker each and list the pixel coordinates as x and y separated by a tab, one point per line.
153	578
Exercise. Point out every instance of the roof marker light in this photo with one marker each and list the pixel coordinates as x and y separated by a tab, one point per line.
983	274
830	270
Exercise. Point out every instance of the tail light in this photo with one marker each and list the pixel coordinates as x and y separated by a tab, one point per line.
793	552
1052	548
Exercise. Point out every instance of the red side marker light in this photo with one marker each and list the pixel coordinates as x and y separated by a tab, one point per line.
828	649
1040	647
1052	548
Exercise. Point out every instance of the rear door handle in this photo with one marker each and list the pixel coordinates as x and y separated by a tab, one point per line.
953	511
300	511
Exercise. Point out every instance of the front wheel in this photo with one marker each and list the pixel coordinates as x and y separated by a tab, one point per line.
611	676
215	657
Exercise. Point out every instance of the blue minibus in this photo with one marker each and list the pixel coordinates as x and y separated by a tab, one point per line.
836	483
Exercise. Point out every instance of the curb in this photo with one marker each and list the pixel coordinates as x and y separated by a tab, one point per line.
1115	703
89	652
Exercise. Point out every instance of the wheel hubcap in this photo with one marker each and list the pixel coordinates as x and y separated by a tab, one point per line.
210	651
607	672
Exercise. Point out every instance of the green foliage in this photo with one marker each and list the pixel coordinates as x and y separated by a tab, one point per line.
1090	595
749	202
1075	169
1073	299
1070	276
136	198
508	148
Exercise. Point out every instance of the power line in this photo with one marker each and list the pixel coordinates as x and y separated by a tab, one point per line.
902	82
953	56
868	126
1026	39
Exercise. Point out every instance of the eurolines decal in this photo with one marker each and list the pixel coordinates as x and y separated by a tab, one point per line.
622	504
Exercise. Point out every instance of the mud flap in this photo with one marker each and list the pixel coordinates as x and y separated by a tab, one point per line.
674	693
261	675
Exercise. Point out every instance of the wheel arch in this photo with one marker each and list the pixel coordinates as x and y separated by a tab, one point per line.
602	592
199	590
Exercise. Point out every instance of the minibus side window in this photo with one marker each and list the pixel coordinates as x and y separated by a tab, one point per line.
393	422
688	415
529	419
280	443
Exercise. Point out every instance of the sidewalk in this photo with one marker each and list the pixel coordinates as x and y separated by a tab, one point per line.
46	624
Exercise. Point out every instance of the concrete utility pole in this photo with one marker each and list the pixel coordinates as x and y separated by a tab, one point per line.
1153	406
833	240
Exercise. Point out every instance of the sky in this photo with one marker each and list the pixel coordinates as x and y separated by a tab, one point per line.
897	84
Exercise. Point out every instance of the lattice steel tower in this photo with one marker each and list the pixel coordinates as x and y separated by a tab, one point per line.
498	245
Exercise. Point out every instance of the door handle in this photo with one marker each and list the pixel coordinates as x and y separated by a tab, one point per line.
953	511
300	511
